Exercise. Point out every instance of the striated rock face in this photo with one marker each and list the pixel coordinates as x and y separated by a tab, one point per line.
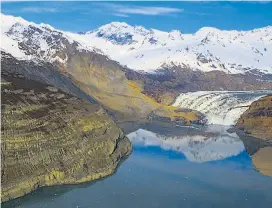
257	122
50	137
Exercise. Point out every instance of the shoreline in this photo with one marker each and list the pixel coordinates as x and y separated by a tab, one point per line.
81	183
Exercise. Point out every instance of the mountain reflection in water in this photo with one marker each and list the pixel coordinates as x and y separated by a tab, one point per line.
196	148
169	167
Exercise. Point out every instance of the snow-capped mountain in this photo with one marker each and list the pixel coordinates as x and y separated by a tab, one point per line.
120	33
207	50
37	42
145	49
197	148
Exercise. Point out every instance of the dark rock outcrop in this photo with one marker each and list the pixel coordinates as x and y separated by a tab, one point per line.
49	137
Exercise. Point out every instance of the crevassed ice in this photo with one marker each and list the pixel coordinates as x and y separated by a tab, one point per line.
220	107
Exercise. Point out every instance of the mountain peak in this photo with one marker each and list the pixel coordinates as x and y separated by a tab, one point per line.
7	21
207	30
114	26
119	32
123	27
119	24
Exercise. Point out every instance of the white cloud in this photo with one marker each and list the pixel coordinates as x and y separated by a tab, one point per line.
149	10
38	9
126	10
120	15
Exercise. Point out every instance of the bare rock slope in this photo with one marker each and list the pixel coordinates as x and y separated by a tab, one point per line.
50	137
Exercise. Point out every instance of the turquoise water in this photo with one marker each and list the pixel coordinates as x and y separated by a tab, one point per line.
159	175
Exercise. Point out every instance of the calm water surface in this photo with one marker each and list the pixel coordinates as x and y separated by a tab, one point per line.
196	169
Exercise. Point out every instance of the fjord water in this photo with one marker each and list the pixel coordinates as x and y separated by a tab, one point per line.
169	167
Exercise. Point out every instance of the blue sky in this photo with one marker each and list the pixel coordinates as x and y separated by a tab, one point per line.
185	16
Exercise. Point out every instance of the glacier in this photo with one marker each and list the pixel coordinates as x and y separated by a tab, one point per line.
220	107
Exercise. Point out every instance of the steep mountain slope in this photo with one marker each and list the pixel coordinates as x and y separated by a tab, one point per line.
40	42
208	49
42	53
43	72
49	137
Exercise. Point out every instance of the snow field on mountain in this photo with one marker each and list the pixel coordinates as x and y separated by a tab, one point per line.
146	49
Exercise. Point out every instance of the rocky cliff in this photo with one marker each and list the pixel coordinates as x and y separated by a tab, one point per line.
257	119
50	137
257	122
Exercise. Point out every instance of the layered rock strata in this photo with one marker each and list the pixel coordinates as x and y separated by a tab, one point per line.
49	137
